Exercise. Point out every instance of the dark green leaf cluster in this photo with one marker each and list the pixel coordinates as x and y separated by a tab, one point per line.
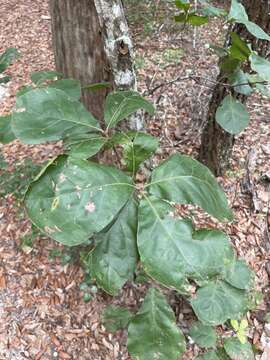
75	199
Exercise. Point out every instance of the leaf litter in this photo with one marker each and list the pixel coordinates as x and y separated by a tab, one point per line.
43	315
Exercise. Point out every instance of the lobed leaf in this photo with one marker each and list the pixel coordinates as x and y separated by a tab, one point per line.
114	259
232	115
49	114
184	180
119	105
153	333
74	199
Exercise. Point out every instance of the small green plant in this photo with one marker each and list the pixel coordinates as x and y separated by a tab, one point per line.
240	328
244	71
6	59
122	222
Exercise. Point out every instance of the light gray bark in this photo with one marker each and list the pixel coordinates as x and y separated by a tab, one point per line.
92	44
119	49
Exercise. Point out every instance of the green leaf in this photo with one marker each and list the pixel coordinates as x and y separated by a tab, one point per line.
256	30
119	105
40	77
7	57
229	65
24	89
232	116
197	20
237	12
74	199
138	147
240	82
203	335
218	302
222	355
210	355
183	5
209	10
263	90
49	114
85	146
114	259
219	51
6	134
239	275
239	49
71	87
261	66
5	79
238	351
97	86
181	18
153	333
186	181
239	15
115	318
171	252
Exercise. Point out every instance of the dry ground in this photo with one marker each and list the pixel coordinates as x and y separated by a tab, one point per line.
42	312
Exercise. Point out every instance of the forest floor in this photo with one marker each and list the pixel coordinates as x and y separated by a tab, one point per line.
43	312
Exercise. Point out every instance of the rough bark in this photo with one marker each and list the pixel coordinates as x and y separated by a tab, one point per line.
92	44
119	50
78	47
216	144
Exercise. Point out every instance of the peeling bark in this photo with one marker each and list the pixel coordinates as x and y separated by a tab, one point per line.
92	44
216	144
119	49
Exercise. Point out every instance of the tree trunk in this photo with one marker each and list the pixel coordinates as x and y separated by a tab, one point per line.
92	44
216	144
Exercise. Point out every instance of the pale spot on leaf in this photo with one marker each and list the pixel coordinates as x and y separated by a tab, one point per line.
90	207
